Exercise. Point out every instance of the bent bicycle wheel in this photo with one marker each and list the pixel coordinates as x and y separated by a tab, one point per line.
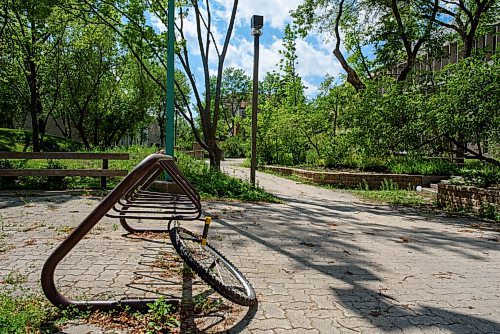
213	267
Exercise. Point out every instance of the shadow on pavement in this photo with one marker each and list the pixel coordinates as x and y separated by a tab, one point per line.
273	227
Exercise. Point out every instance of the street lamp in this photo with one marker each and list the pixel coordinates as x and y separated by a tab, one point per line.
257	23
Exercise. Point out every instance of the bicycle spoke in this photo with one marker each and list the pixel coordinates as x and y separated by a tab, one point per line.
213	267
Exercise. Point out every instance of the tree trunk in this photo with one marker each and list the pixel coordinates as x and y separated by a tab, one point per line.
406	70
215	154
468	45
352	76
35	104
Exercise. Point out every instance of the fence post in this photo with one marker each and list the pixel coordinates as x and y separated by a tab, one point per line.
105	165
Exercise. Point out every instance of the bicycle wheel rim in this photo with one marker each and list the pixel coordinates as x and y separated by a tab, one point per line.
213	267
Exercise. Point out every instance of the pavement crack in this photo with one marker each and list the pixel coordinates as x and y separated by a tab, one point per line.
349	328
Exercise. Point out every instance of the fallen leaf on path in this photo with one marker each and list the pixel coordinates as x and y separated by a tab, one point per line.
403	240
375	313
30	242
446	275
466	231
307	244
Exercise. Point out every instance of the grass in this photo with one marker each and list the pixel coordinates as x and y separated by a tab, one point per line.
419	166
394	197
211	184
14	278
20	141
34	314
26	315
388	194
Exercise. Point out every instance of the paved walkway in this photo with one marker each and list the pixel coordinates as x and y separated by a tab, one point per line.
321	262
329	263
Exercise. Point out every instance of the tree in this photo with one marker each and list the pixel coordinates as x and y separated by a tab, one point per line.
30	33
235	90
139	37
392	26
284	133
205	40
327	16
464	107
105	94
405	25
465	17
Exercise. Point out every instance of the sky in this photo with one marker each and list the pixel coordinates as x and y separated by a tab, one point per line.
315	58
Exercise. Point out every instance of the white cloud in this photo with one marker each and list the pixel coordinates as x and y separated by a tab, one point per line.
276	12
157	23
314	61
312	89
240	55
315	57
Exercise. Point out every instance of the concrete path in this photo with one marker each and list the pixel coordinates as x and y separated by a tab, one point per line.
321	262
326	262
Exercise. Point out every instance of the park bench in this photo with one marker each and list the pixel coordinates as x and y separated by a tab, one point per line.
102	173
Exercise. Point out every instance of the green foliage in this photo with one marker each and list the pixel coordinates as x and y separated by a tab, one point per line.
235	92
385	118
464	105
428	119
26	315
7	182
161	316
480	175
210	183
389	185
55	182
393	197
203	304
290	129
234	147
214	184
419	166
12	140
490	211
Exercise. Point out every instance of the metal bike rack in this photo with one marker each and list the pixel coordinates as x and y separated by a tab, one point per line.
130	199
139	203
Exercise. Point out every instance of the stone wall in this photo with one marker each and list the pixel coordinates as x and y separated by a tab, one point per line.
351	180
478	200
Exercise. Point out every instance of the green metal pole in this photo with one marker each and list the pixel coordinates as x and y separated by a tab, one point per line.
169	138
169	135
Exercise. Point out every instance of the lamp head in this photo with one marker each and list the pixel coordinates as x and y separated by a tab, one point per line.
257	22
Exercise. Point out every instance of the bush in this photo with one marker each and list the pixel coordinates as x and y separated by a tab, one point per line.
234	147
371	164
480	175
7	182
419	166
340	155
211	183
55	182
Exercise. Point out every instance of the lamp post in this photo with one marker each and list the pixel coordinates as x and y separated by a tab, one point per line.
169	134
257	23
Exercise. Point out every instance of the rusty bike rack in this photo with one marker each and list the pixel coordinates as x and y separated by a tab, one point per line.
130	199
139	203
